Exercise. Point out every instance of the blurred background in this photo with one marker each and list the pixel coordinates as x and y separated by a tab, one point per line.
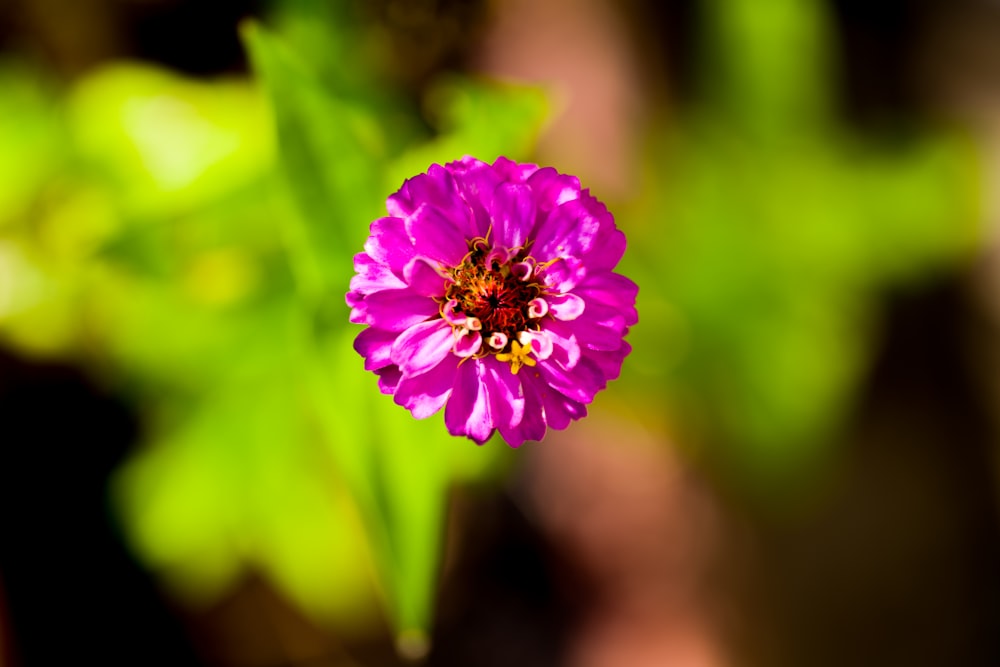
798	465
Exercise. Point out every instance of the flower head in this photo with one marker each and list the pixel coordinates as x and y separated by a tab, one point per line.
489	291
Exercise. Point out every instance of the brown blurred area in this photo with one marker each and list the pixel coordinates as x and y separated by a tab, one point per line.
612	546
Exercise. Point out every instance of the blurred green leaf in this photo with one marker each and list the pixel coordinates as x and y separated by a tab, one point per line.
32	138
330	151
166	144
774	231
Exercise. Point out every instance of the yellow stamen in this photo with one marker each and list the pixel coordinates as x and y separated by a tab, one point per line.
518	356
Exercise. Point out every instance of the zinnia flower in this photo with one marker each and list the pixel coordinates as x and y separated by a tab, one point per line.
489	291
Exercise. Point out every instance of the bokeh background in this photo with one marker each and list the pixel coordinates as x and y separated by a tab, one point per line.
798	465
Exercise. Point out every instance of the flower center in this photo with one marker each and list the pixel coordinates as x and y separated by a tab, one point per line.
495	294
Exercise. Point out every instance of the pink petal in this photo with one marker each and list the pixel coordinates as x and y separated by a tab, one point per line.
515	172
569	231
612	290
552	188
388	379
565	307
506	397
579	383
469	344
389	244
425	394
438	188
513	215
600	327
468	409
372	276
422	346
435	237
425	279
610	362
476	182
375	345
565	348
396	310
541	343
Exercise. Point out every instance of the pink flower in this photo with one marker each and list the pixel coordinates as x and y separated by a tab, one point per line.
489	291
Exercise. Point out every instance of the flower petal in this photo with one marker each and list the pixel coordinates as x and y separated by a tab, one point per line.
468	344
557	410
552	188
569	231
468	409
425	394
513	215
395	310
565	347
372	276
600	327
422	346
375	345
435	237
565	307
514	172
579	383
563	274
389	244
437	187
613	290
425	279
388	379
532	423
506	397
610	361
541	343
476	181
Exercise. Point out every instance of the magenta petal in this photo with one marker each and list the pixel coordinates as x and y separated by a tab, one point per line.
515	172
476	182
565	307
425	394
396	310
375	345
388	379
468	344
610	362
564	274
435	237
560	411
422	346
506	397
552	188
580	383
424	279
607	251
468	409
437	187
389	244
513	215
612	290
541	343
532	423
600	327
372	276
570	230
565	347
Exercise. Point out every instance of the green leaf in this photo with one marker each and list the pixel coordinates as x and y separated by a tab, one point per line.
330	153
